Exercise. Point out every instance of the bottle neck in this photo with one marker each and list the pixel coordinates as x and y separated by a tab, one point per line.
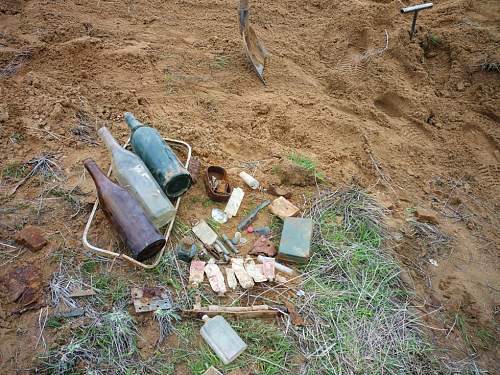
108	139
95	172
132	122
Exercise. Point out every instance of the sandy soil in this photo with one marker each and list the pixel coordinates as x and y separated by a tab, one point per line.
415	123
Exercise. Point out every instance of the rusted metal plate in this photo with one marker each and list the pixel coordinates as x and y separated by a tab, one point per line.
150	299
31	237
294	315
279	192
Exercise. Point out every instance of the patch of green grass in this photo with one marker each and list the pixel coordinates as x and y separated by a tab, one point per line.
111	289
486	338
166	272
89	266
55	322
276	169
15	171
66	195
207	202
306	163
462	326
354	291
169	79
195	200
220	62
17	137
213	224
276	227
434	39
108	343
14	208
180	229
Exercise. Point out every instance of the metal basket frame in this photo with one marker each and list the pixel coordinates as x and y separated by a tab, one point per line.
109	253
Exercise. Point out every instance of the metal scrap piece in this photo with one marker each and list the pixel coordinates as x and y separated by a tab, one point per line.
22	285
263	246
150	299
254	49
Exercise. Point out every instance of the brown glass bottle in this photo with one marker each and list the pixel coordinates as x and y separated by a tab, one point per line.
126	215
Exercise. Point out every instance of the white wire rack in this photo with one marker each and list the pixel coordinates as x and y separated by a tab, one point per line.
109	253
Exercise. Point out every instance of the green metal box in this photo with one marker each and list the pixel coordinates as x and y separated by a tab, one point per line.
295	241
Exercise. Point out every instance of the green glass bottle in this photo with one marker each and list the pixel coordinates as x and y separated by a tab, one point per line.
164	165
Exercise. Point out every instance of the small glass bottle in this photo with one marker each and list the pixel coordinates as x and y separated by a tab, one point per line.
133	175
222	338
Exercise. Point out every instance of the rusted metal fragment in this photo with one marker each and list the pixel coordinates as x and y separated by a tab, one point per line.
294	315
72	313
263	246
279	192
150	299
216	184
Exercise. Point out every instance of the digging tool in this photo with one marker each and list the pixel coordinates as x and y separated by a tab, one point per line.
254	48
415	9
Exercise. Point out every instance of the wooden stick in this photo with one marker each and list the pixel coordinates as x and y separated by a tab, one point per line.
258	311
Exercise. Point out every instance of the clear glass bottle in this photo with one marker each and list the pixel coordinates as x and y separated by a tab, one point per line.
133	175
222	338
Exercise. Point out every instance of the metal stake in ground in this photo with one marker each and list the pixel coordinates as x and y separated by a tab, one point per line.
415	9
